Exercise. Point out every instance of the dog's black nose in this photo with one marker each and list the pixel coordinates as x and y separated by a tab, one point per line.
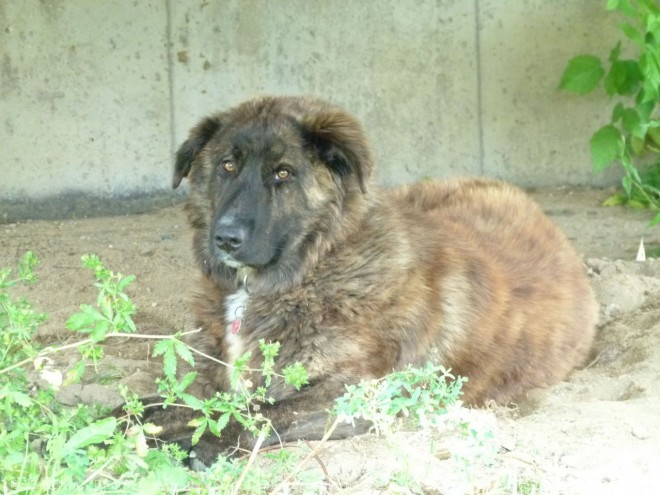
228	235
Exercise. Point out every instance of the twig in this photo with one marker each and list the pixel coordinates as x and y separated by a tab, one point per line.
46	351
313	453
321	464
253	455
98	471
53	350
215	360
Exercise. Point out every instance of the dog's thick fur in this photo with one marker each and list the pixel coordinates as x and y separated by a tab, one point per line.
294	241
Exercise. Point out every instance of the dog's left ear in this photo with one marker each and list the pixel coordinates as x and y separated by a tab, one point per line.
197	139
340	142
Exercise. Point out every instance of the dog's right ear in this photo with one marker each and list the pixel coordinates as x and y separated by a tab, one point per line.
185	156
341	143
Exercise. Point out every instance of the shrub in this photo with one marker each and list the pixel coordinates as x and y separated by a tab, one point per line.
632	137
47	448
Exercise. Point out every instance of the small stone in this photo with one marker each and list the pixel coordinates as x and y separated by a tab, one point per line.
147	251
640	432
612	310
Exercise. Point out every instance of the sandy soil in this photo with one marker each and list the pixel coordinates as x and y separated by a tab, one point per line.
597	433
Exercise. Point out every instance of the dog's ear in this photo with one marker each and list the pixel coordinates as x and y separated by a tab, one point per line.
197	139
340	142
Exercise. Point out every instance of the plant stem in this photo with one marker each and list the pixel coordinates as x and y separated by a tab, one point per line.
98	471
653	204
53	350
309	456
248	465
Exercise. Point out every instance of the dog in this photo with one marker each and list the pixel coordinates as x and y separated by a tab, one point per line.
296	244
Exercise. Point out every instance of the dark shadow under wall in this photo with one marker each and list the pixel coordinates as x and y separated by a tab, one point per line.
80	205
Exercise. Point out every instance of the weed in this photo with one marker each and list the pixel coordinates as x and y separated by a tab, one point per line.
528	486
632	138
418	393
46	448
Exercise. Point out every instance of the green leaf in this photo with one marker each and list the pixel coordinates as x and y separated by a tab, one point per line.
622	6
269	350
617	199
644	107
636	204
656	220
192	401
97	432
295	375
26	266
617	112
627	184
582	74
85	320
123	283
629	166
75	374
240	367
650	68
187	380
165	348
654	134
16	396
632	124
632	34
651	189
638	145
100	330
222	422
130	324
199	430
623	78
649	91
607	145
183	352
615	52
216	427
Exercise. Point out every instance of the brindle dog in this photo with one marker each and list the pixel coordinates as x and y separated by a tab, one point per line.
296	244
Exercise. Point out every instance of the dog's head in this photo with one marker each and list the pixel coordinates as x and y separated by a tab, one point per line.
274	182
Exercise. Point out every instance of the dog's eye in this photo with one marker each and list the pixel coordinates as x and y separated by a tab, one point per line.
229	167
282	174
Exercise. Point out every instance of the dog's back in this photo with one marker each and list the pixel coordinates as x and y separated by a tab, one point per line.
517	310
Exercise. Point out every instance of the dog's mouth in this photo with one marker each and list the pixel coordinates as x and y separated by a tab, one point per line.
227	259
266	262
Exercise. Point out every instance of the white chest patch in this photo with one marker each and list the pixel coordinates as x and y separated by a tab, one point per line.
234	308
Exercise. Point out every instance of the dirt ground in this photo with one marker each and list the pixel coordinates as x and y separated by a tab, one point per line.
597	433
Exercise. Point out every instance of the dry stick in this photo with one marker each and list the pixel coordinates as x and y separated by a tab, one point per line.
313	453
53	350
253	455
320	463
98	471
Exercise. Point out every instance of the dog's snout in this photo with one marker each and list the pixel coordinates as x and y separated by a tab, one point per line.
229	236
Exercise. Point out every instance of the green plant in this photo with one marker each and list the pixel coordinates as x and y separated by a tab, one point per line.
632	138
421	394
528	486
46	448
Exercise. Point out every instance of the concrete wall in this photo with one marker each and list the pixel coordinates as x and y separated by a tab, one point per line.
96	96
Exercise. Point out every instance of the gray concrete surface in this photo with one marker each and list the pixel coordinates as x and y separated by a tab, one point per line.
95	97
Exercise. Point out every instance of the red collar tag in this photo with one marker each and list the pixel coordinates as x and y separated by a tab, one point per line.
236	326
